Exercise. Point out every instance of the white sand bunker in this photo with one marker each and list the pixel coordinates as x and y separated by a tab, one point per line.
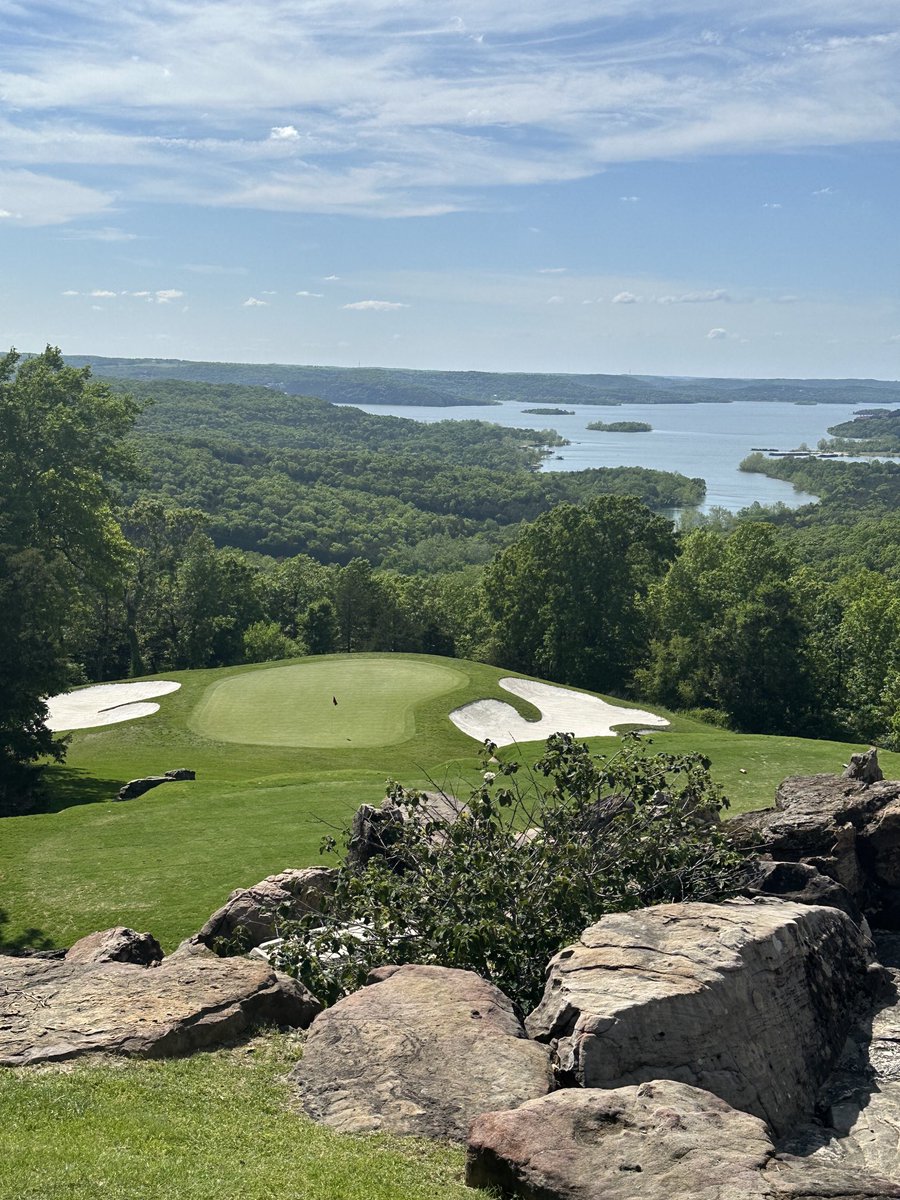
105	704
563	711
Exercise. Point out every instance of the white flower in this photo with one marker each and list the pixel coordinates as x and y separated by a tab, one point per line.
490	776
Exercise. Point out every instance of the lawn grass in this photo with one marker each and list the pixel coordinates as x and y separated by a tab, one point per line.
165	861
215	1126
299	705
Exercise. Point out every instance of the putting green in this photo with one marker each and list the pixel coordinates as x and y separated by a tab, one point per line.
295	705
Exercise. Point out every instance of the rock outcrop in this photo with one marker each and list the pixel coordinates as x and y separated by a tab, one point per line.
116	945
843	826
751	1000
655	1141
419	1050
137	787
51	1011
253	915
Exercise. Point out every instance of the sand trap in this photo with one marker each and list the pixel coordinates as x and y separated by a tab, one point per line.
105	704
563	711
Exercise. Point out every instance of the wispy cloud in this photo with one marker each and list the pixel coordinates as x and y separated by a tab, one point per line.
375	305
397	114
311	295
625	298
717	335
712	297
254	302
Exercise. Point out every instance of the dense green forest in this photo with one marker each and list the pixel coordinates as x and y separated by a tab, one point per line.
221	524
621	426
369	385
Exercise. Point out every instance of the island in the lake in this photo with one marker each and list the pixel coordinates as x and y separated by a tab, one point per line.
549	412
621	426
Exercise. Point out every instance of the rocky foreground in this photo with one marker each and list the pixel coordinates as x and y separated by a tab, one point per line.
744	1049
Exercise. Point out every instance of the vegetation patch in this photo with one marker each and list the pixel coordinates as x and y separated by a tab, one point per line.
621	427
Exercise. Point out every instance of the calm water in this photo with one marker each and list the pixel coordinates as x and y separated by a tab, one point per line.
705	440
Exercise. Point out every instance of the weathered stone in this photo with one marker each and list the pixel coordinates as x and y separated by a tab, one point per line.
138	787
798	882
750	999
51	1011
420	1050
860	1102
864	767
116	945
374	831
660	1140
253	915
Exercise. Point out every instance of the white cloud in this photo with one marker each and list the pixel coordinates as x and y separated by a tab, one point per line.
767	205
555	300
71	292
552	270
625	298
330	278
252	302
375	305
710	297
284	133
824	191
312	295
164	295
36	199
101	292
716	335
629	199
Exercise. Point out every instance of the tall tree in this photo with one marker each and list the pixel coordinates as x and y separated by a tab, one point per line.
61	447
565	597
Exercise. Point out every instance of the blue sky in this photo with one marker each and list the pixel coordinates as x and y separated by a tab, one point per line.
656	186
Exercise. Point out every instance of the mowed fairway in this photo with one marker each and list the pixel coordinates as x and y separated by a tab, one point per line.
326	702
279	766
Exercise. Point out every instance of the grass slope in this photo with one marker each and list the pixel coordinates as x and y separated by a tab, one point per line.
165	861
211	1127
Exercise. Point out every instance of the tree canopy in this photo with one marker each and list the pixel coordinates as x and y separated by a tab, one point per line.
61	446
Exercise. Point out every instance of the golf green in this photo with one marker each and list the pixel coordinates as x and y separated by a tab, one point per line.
327	702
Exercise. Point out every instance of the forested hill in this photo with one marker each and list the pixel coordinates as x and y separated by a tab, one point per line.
377	385
285	475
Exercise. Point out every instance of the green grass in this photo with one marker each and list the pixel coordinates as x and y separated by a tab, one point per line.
164	862
215	1126
329	702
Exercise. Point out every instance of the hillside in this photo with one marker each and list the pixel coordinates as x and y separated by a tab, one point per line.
383	385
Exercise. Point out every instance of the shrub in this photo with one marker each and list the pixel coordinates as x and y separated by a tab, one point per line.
532	859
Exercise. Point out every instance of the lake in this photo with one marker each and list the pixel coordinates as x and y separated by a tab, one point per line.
705	440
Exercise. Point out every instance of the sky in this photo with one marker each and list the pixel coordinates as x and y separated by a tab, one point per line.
671	187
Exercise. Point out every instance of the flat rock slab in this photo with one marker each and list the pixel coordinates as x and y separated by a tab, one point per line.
751	1000
420	1050
56	1010
659	1140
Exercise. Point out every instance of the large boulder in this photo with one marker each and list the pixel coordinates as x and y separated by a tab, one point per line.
657	1141
750	999
56	1010
420	1050
859	1105
846	827
119	944
254	915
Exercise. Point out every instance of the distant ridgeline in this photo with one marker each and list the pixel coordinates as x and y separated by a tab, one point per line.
284	475
382	385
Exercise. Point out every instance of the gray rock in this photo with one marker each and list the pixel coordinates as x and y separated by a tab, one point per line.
138	787
659	1140
798	882
374	831
119	944
751	1000
864	767
254	915
420	1050
53	1011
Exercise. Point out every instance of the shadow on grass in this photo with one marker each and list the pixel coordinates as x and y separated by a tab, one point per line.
29	939
67	787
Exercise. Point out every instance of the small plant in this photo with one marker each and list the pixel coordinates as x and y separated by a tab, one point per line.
531	859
